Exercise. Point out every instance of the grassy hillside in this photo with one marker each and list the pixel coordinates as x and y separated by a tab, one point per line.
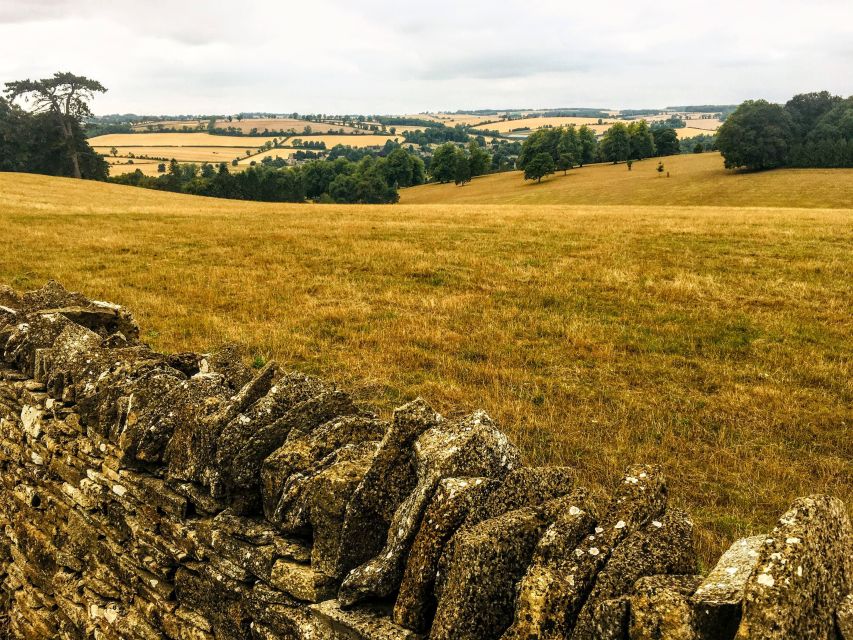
714	341
695	179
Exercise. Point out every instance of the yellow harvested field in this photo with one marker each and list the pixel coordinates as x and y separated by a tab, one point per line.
692	132
451	120
178	140
168	124
537	123
284	124
149	168
703	123
695	180
716	342
351	141
182	154
272	153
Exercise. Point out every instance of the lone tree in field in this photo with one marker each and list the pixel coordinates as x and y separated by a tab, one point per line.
66	98
541	165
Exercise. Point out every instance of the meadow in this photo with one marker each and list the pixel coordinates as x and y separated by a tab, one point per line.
713	340
694	179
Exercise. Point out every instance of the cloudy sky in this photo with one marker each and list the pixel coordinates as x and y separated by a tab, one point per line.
383	56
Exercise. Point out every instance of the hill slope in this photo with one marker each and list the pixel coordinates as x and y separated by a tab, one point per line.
714	341
695	179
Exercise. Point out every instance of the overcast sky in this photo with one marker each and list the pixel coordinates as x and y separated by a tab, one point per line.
383	56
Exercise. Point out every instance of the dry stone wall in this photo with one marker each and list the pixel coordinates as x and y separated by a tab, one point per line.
184	496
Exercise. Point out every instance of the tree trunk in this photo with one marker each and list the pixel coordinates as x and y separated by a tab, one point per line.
68	134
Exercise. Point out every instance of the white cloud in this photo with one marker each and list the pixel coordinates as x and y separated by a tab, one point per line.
206	56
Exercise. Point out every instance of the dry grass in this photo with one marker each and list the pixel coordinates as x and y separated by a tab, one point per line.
692	132
537	123
182	154
272	153
695	179
714	341
168	124
283	124
120	140
119	167
367	140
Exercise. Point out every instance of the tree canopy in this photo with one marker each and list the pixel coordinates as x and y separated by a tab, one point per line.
57	107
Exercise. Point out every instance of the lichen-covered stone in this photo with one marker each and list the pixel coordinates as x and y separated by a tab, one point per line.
547	588
391	477
562	577
362	623
472	446
660	608
488	560
804	570
662	546
254	434
844	618
286	471
521	487
717	602
450	504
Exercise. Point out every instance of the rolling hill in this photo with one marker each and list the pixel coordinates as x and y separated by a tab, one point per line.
715	341
694	180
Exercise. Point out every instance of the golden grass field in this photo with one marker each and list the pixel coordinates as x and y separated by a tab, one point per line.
283	124
715	341
182	154
537	123
166	124
272	153
179	140
695	180
119	166
692	132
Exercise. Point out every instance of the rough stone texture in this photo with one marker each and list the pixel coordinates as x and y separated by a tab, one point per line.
804	570
450	505
844	618
660	608
718	601
660	547
366	623
187	497
524	486
471	447
488	560
391	477
564	573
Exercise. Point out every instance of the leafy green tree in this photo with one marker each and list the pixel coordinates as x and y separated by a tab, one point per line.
568	149
589	145
463	169
539	166
161	168
806	109
444	160
479	160
758	135
642	142
666	141
616	143
65	99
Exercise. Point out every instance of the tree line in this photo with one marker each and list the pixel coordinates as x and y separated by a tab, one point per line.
371	180
810	130
562	148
